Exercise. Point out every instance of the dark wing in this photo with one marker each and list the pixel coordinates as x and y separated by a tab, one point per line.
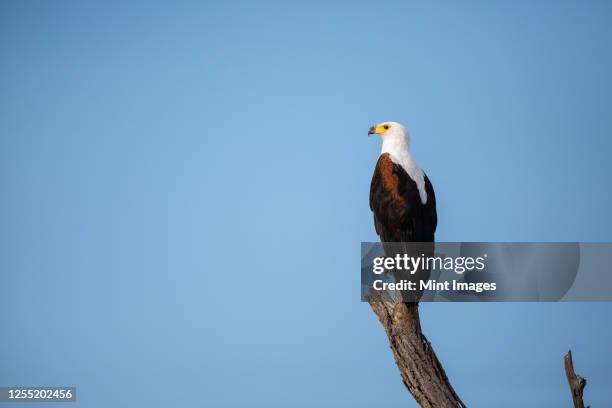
399	215
429	215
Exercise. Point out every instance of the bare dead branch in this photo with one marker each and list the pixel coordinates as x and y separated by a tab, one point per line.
419	367
576	382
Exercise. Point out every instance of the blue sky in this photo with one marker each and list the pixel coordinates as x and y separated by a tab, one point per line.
185	189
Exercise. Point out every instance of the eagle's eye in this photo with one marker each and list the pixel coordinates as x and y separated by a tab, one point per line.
386	127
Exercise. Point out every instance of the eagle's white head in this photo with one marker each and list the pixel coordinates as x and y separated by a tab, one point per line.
395	136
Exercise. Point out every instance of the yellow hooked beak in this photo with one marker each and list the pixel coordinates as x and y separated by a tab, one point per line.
378	129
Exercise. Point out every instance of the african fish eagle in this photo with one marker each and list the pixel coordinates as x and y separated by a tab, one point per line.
403	202
401	196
